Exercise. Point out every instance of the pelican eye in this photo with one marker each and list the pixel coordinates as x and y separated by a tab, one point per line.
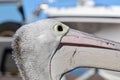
60	28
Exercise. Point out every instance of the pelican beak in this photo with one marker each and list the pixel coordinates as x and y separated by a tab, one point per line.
80	49
77	38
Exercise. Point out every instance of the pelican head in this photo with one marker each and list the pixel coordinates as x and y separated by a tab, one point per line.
47	49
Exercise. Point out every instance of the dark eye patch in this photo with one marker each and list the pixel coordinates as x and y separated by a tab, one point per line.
59	28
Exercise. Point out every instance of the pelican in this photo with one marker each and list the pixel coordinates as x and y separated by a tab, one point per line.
47	49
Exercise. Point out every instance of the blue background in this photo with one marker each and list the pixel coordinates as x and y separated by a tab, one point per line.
9	12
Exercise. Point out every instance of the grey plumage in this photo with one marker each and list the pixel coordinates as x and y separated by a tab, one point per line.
28	43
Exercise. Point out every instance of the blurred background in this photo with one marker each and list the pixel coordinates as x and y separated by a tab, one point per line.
98	17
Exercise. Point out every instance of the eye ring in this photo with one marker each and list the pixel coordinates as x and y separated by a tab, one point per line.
60	28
